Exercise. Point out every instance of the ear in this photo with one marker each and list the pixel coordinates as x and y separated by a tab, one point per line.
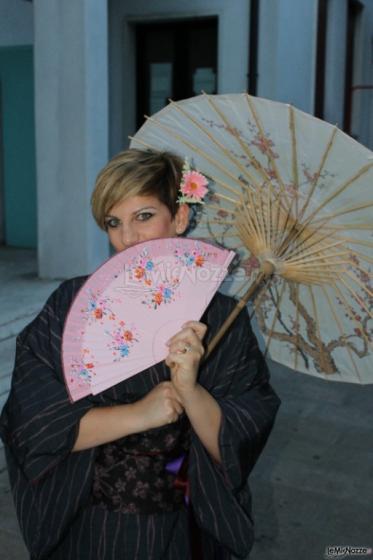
182	218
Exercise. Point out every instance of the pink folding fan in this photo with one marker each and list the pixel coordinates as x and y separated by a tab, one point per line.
125	312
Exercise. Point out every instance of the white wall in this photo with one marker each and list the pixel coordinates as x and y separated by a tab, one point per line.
233	33
287	51
16	23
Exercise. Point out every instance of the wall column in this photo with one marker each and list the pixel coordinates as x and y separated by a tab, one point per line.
287	51
71	107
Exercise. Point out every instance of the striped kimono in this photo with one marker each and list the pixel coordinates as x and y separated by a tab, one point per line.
53	487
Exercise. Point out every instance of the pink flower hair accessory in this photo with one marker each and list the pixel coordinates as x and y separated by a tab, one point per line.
193	186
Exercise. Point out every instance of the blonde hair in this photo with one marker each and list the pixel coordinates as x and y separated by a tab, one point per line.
137	173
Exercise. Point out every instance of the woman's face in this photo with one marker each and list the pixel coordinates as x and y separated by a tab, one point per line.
140	218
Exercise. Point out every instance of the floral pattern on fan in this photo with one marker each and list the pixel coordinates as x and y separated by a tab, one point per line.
122	340
98	308
81	371
195	258
159	285
165	292
141	269
118	326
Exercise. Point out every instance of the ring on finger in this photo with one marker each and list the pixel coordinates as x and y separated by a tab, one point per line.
187	348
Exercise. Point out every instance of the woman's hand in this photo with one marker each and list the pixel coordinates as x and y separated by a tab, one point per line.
203	411
162	405
185	353
104	424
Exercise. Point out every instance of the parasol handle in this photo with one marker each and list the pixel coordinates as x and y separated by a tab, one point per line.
237	309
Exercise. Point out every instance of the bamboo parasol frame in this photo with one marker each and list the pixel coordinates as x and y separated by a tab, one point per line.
298	235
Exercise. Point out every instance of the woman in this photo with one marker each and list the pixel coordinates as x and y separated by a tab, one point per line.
96	479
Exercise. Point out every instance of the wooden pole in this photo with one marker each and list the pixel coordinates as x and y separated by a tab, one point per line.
267	271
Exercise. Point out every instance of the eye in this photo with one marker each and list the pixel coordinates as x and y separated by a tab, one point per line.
111	223
144	216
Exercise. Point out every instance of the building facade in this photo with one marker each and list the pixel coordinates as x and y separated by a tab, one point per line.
99	65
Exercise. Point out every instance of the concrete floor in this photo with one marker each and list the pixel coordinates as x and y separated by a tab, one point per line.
312	486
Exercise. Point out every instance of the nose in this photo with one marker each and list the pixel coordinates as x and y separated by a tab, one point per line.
129	236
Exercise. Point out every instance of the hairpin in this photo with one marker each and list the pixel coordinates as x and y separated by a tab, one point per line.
193	186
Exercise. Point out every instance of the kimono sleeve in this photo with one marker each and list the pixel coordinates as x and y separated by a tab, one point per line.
39	427
39	423
237	377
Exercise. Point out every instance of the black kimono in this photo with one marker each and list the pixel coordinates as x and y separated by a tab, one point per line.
66	507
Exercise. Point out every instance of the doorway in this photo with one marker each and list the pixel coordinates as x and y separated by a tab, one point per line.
175	60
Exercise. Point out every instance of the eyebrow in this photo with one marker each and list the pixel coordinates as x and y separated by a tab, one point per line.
133	213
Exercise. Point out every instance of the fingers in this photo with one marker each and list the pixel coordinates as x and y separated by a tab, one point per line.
162	405
187	343
199	328
190	329
185	354
176	408
169	392
189	363
185	350
171	397
185	346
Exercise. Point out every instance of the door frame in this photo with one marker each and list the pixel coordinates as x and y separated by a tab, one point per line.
122	56
180	51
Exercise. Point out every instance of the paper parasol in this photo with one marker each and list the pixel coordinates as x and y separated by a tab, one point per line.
293	195
125	312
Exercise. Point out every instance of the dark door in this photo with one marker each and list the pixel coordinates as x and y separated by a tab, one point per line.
174	60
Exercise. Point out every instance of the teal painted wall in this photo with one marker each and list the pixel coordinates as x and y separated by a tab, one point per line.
18	142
